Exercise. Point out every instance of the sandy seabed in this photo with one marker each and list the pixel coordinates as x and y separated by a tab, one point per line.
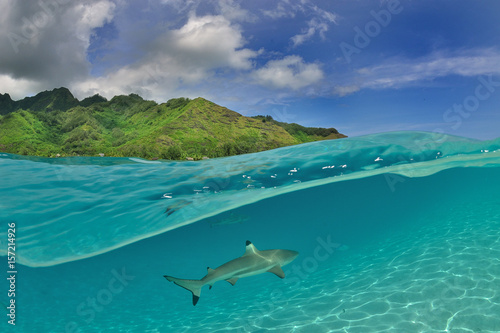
443	277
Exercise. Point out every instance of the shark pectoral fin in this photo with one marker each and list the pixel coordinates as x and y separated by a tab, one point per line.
278	271
232	281
209	272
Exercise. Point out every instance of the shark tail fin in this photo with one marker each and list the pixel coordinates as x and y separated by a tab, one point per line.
194	286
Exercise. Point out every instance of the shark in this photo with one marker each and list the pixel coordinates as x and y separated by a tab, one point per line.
252	262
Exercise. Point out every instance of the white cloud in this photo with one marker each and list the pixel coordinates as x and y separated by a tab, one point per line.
86	17
187	56
230	9
313	26
290	8
290	72
319	23
44	44
19	88
175	61
326	15
283	9
199	57
398	73
210	42
181	5
233	11
345	90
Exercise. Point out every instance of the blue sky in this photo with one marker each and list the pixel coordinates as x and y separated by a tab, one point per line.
360	66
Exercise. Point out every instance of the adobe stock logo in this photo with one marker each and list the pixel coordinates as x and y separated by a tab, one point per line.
295	275
454	117
372	29
87	310
483	91
31	27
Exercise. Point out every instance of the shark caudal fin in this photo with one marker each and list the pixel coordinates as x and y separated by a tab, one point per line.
193	286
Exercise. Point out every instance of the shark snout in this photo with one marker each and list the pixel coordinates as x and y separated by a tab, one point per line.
288	256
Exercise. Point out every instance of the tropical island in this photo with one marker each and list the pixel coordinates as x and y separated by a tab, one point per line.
55	123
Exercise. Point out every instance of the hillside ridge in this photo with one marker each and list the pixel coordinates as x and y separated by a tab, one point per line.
55	123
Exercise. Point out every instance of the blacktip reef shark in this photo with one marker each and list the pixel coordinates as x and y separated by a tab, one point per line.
253	262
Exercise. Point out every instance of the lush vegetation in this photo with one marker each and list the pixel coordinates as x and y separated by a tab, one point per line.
55	123
302	133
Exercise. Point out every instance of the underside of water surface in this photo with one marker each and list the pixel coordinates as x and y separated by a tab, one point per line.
396	232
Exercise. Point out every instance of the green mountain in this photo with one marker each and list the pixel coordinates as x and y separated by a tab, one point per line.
57	99
55	123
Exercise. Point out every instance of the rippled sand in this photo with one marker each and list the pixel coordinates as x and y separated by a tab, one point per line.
444	277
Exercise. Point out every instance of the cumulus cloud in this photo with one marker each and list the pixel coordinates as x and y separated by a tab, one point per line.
290	72
46	41
185	56
19	88
209	42
91	16
46	45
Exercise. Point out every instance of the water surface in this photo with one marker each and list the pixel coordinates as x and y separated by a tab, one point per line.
397	232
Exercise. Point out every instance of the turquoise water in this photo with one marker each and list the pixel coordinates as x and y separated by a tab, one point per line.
397	232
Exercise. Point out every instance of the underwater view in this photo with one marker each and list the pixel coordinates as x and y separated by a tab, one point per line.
395	232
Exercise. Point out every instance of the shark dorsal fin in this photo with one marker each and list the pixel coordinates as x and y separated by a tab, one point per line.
250	248
278	271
